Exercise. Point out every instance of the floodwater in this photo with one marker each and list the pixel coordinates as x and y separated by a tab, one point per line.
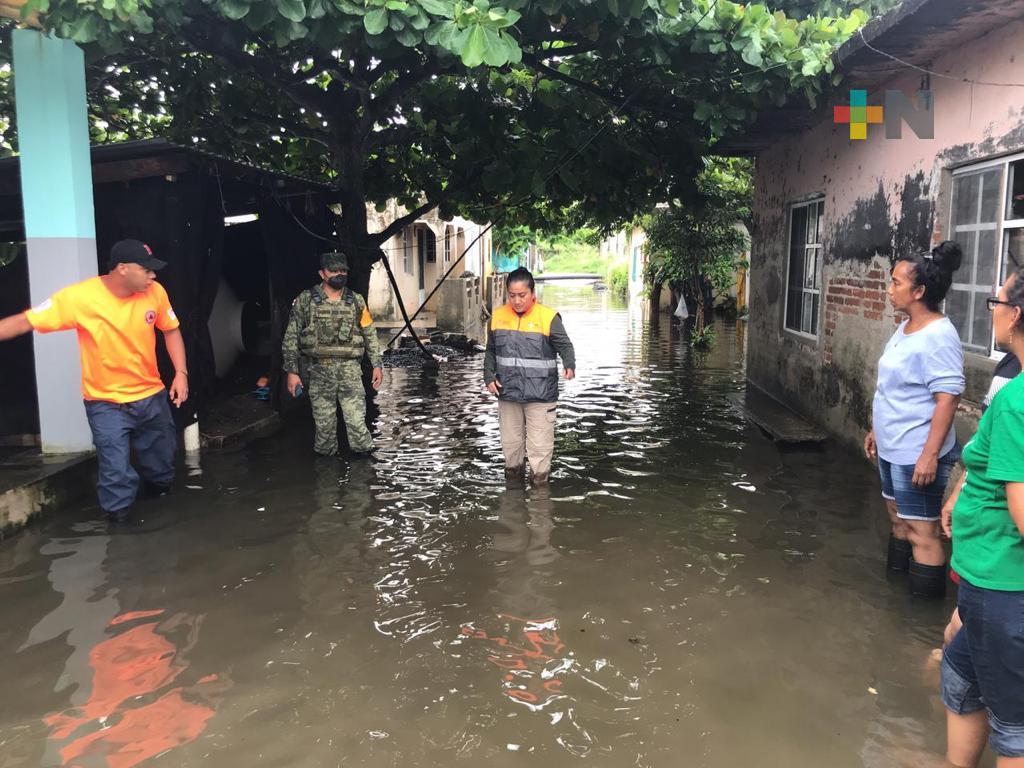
685	594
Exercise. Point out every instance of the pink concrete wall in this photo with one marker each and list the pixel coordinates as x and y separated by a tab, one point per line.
882	196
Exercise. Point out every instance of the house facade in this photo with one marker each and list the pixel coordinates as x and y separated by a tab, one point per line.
627	247
420	255
831	212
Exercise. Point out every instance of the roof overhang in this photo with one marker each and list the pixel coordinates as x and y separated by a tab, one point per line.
916	31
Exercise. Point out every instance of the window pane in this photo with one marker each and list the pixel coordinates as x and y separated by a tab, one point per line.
808	305
965	199
982	334
821	222
990	195
1015	188
1013	251
956	310
793	311
810	267
987	257
814	314
796	251
969	244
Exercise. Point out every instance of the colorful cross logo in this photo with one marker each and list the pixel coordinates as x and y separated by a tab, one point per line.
858	114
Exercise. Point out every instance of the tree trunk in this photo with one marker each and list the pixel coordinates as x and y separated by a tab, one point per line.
655	303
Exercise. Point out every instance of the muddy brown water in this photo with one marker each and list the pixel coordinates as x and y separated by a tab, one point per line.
684	594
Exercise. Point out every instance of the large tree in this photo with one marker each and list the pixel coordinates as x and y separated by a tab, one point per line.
480	107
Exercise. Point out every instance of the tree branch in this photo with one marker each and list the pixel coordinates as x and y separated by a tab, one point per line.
222	41
401	222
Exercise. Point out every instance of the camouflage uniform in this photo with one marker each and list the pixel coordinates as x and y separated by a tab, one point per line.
332	336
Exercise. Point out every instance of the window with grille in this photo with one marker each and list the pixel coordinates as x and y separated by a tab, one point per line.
803	285
987	219
406	252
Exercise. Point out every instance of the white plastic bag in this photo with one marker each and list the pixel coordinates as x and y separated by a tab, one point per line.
681	311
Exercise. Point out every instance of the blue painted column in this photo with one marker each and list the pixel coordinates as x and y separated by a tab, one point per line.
60	227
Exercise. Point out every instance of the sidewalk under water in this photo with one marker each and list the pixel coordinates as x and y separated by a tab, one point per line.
683	594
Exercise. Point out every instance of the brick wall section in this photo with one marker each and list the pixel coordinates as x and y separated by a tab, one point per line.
861	296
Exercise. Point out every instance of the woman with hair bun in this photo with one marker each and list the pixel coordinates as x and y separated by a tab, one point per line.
920	380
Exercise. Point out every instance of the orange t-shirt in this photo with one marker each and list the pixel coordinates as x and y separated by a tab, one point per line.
116	337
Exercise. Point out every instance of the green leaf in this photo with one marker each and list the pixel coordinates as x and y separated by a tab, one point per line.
318	8
293	10
143	23
438	8
396	5
475	47
703	111
496	49
376	21
84	29
234	9
419	20
752	54
410	38
260	15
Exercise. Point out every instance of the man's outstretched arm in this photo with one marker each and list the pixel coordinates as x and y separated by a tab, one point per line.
13	326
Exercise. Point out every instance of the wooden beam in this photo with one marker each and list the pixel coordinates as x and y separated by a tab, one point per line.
142	168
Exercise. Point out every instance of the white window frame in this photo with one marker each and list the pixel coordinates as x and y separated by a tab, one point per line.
1002	225
803	203
406	251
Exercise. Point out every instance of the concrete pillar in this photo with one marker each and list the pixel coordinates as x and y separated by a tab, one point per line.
60	228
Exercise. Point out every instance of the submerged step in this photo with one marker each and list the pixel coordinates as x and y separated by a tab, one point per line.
779	422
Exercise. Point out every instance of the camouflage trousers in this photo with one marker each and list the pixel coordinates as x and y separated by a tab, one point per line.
333	383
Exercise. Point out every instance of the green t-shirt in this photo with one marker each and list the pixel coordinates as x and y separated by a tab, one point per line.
988	549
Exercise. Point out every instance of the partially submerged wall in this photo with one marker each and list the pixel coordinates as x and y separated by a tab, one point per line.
882	197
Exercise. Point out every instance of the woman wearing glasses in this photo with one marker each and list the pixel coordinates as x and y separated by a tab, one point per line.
920	380
983	665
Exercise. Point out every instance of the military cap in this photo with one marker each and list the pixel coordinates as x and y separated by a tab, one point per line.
333	260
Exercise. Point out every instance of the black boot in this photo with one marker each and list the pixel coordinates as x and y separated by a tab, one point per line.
899	554
927	580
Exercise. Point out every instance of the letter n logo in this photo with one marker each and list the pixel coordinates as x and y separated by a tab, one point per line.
898	108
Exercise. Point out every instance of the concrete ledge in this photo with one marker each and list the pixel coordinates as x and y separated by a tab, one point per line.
238	420
32	484
780	423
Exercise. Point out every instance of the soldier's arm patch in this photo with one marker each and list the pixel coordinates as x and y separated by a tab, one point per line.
366	319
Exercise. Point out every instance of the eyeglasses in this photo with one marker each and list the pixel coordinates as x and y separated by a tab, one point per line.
992	301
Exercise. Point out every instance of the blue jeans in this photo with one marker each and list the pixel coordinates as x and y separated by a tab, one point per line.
145	426
983	666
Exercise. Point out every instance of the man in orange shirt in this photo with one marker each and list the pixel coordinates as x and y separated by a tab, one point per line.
116	316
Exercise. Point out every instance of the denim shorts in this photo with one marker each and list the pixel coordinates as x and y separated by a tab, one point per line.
983	666
916	503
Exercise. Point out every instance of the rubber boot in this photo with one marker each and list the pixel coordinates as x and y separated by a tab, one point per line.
899	554
927	580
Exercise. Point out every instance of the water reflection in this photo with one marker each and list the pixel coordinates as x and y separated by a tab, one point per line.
135	710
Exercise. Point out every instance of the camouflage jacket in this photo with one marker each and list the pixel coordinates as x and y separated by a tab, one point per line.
322	329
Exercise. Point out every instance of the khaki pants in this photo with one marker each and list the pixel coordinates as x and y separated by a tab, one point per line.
527	430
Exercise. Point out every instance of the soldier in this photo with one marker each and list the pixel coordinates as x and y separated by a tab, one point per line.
331	327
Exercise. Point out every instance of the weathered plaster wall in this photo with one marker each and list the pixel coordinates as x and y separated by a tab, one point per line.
882	197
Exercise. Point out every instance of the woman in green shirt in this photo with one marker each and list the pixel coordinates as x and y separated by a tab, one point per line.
983	665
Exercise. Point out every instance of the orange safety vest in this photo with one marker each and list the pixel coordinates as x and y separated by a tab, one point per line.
526	361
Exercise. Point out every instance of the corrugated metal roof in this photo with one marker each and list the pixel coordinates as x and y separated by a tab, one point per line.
148	148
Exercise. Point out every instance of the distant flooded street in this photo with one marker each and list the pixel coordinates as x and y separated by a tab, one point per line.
684	594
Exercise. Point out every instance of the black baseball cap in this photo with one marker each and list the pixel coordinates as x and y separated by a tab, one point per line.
135	252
